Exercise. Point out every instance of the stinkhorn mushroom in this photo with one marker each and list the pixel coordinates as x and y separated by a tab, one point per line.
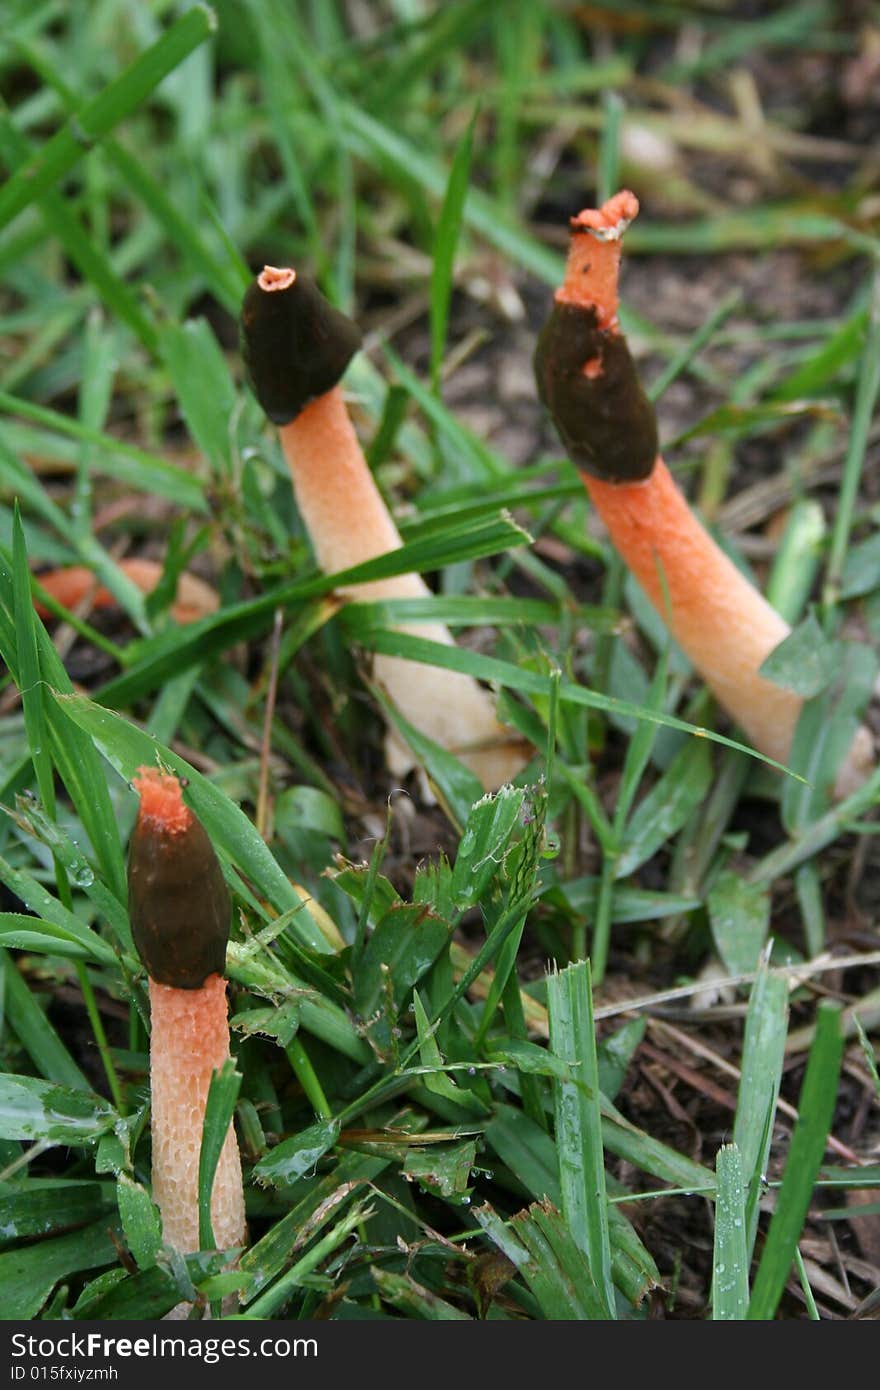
296	347
587	380
70	584
180	914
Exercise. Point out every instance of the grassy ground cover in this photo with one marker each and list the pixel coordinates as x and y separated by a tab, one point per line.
600	1044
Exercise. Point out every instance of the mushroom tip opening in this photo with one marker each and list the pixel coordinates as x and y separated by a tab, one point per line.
273	278
610	221
162	799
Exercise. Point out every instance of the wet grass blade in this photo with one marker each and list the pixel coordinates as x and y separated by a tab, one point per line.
540	1245
762	1061
808	1142
173	651
579	1123
730	1265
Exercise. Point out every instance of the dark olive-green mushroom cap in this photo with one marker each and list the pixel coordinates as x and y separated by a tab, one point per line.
178	902
295	345
604	419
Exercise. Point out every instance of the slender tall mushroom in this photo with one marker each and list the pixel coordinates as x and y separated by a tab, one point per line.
588	382
296	347
180	912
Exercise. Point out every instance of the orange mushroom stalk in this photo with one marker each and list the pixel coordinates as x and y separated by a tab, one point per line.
296	347
180	913
70	584
588	381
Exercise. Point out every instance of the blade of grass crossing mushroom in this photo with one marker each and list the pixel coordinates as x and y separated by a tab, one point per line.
579	1123
219	1109
413	648
167	654
296	348
808	1142
730	1264
457	788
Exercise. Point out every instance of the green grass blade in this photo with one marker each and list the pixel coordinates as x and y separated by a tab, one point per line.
30	684
867	390
98	116
445	243
492	669
730	1265
94	265
135	467
47	908
140	1219
204	388
171	652
34	1031
579	1123
815	1112
761	1074
539	1244
219	1109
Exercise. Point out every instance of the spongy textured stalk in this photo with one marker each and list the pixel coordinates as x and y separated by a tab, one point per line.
349	523
189	1040
720	620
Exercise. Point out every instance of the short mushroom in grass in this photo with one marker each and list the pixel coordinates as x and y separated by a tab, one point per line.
588	382
180	914
296	347
70	584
